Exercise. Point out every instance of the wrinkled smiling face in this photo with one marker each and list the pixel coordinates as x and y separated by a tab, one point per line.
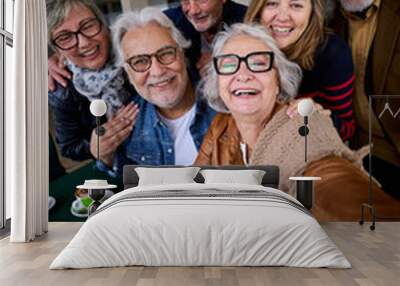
203	14
247	93
355	5
162	85
91	53
286	19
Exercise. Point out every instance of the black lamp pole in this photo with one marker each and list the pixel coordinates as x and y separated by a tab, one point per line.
98	108
99	132
303	131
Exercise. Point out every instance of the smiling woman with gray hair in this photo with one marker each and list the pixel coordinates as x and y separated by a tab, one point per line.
79	36
253	82
289	73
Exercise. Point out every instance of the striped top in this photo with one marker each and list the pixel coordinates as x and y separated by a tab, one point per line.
330	83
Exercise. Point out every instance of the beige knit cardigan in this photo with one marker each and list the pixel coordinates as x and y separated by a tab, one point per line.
280	144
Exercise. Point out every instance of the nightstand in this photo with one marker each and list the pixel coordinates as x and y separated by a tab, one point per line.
96	191
304	190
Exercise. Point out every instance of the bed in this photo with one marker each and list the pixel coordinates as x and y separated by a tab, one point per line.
201	222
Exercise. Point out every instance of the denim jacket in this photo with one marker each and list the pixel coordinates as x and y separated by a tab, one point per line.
150	142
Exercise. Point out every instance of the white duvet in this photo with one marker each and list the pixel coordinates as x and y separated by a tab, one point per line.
184	230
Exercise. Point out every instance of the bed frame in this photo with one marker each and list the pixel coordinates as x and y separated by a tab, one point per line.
270	179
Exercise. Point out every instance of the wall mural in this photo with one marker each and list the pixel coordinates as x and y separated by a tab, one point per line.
162	86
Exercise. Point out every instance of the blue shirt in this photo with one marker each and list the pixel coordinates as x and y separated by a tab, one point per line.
150	142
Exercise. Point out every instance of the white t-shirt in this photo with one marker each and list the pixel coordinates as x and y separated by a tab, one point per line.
179	129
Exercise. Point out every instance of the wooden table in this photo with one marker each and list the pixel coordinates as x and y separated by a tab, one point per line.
374	255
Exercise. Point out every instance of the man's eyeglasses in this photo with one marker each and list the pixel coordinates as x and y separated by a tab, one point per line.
256	62
68	40
141	63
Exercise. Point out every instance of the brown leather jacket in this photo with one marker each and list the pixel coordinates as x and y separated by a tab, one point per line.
221	143
338	196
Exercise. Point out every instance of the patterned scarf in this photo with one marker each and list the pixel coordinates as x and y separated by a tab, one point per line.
106	83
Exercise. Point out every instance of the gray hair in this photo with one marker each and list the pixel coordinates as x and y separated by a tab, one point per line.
289	73
138	19
57	10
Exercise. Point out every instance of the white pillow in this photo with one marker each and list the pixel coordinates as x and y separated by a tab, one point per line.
163	176
249	177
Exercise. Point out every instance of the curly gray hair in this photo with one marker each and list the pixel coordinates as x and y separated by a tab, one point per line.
289	73
140	18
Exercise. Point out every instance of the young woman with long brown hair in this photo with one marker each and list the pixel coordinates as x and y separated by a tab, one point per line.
298	27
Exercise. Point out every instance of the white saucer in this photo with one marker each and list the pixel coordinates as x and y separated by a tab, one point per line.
96	184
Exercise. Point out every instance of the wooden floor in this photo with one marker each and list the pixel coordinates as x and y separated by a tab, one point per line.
374	255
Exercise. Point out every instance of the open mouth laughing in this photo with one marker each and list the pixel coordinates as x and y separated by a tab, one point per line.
92	52
162	83
199	19
245	92
281	31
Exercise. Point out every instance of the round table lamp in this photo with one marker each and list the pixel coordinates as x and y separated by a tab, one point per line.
98	108
97	188
304	190
305	107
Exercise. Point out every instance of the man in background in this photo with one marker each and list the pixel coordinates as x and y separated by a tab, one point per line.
372	29
200	21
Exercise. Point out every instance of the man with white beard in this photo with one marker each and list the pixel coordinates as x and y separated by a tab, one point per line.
172	118
372	29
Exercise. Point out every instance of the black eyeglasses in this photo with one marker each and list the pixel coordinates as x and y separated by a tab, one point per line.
256	62
141	63
68	40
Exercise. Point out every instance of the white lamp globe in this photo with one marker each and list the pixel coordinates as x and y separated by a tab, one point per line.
98	107
305	107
